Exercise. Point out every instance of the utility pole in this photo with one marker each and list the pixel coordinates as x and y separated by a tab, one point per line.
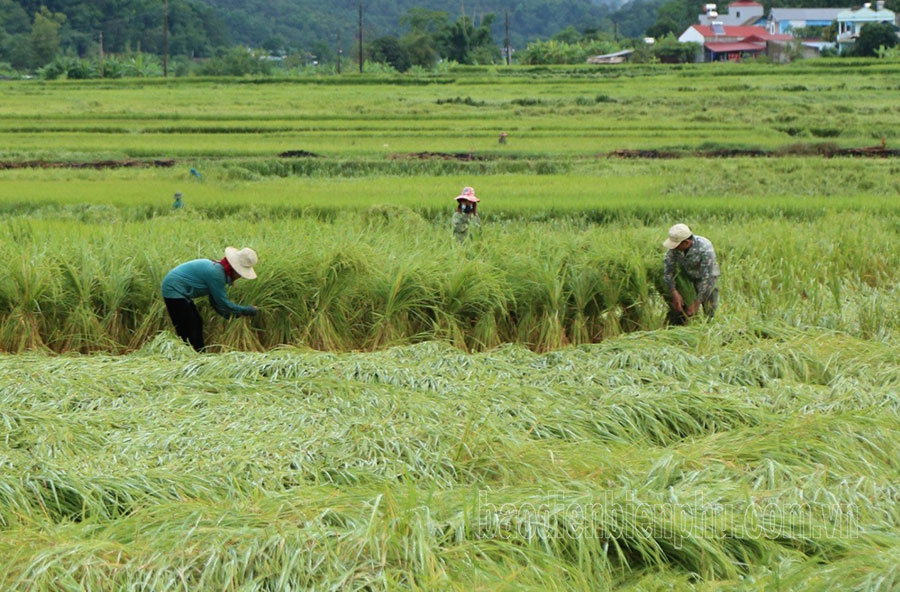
340	53
165	38
102	65
507	37
360	39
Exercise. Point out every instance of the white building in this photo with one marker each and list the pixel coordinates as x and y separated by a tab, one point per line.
850	22
741	12
785	20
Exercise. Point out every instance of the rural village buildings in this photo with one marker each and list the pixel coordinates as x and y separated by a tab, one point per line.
784	20
744	31
741	12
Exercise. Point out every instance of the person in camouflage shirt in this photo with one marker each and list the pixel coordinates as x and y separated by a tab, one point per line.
466	214
696	258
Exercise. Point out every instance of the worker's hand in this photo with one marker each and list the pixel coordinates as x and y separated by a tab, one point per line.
677	301
252	312
692	309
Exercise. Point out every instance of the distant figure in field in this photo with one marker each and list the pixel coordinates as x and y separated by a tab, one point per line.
206	277
196	174
466	214
695	256
503	137
178	203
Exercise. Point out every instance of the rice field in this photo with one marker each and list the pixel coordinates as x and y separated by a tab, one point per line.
410	413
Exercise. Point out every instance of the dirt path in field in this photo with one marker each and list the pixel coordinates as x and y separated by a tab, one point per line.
93	164
824	150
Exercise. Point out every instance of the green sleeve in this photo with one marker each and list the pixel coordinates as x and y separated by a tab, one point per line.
220	302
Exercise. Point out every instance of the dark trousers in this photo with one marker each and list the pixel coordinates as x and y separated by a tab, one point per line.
187	321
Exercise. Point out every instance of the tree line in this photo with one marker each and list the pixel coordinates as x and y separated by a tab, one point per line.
112	38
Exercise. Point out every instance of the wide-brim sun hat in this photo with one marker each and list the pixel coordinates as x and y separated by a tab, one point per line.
468	194
242	261
677	235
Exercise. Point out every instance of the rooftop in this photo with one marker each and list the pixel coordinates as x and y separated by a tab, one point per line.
866	14
805	14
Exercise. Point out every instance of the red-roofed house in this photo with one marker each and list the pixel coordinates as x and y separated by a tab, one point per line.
721	42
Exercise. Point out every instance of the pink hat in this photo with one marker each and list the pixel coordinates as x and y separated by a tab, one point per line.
468	194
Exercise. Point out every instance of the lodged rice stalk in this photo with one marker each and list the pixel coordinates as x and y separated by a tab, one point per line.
707	457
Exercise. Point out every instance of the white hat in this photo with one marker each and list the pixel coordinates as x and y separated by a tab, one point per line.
242	261
677	235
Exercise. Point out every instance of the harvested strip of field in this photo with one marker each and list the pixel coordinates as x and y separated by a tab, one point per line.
95	164
705	457
825	150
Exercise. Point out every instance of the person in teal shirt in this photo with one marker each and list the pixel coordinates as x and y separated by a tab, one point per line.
206	277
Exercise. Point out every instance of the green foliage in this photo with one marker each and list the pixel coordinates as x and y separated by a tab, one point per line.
69	67
237	61
873	36
670	51
888	53
389	50
468	44
560	52
45	35
663	28
813	33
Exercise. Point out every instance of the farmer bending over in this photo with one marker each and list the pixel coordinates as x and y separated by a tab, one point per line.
697	260
466	213
206	277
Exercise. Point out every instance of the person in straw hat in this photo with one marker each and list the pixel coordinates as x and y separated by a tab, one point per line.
206	277
466	214
695	257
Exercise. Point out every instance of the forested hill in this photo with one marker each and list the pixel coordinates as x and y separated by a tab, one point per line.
300	22
199	27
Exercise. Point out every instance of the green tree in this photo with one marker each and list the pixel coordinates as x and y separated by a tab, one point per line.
568	35
662	27
422	49
275	45
389	50
13	18
875	35
463	38
45	35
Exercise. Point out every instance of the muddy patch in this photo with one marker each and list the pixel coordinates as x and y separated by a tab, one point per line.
461	156
93	164
827	150
298	154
